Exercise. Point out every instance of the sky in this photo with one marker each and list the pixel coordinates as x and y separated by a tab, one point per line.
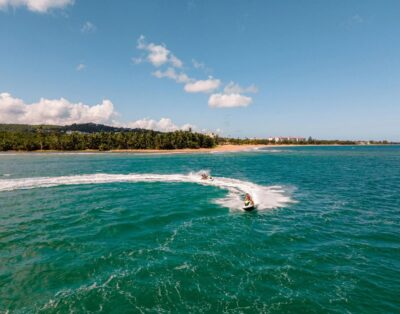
242	68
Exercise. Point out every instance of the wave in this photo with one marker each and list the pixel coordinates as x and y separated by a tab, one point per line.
265	197
273	150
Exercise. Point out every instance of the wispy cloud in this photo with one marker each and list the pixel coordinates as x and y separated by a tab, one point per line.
88	27
353	21
234	88
197	64
39	6
201	66
137	60
81	67
356	19
173	75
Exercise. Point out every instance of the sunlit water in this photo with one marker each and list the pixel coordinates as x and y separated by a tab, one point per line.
143	233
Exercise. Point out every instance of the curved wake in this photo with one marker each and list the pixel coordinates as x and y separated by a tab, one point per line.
265	197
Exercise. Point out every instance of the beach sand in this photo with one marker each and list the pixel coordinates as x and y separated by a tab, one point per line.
220	148
228	148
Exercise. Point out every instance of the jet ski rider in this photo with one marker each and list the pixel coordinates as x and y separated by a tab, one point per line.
248	200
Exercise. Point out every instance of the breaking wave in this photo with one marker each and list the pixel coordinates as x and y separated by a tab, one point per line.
265	197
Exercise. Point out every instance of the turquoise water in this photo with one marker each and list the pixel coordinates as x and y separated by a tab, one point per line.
120	233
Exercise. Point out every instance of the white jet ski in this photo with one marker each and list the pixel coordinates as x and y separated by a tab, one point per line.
249	207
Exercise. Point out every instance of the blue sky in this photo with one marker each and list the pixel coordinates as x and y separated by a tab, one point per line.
326	69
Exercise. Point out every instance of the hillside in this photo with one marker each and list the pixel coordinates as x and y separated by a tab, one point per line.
83	128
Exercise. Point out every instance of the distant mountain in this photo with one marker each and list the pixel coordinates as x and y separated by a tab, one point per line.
82	127
26	127
95	128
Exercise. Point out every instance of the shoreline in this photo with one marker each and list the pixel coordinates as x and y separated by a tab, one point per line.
220	148
228	148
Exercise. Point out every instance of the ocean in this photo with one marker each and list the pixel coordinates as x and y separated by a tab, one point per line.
142	233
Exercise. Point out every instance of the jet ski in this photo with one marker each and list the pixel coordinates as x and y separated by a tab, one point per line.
249	207
248	203
206	177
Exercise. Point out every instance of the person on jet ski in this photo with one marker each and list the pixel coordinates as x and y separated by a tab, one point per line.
248	200
204	176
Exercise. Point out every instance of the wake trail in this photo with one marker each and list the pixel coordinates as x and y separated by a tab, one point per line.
265	197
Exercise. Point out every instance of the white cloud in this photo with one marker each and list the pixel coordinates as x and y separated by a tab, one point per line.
158	54
176	62
229	100
63	112
202	86
40	6
173	75
233	88
80	67
88	27
163	125
54	111
201	66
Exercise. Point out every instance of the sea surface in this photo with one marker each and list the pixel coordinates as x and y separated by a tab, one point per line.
131	233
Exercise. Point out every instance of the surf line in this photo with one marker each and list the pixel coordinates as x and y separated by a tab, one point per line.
265	197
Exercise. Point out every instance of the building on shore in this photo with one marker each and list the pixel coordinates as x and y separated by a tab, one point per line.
279	139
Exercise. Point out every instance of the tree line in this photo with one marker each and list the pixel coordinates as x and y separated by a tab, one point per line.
103	141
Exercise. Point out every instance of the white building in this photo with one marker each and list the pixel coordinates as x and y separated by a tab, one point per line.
278	139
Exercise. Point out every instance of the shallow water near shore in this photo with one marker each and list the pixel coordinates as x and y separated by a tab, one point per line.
142	233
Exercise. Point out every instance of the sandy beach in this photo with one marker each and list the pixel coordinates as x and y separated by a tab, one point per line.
219	148
228	148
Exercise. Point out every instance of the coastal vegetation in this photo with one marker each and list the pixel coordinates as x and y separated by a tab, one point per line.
90	136
93	137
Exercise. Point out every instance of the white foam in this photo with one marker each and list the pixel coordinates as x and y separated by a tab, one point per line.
238	150
265	197
270	150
